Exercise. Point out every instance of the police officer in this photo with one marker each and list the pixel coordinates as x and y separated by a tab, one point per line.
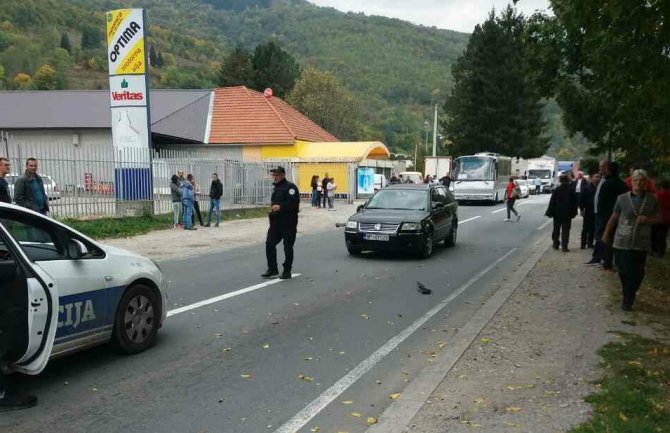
283	223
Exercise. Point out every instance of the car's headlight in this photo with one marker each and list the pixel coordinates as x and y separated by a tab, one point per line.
352	225
411	226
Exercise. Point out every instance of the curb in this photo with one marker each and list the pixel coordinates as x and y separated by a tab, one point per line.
397	416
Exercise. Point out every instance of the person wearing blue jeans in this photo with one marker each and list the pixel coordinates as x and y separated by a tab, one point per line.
215	193
187	199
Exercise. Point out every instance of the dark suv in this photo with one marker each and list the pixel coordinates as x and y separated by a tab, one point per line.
409	217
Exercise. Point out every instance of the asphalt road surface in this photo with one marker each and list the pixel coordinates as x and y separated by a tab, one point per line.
326	349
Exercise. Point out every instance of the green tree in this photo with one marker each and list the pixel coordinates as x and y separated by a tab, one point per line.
45	78
65	42
236	69
2	77
612	74
494	105
91	38
321	97
22	81
274	68
153	57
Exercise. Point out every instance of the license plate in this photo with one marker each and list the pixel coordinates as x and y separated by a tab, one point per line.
376	237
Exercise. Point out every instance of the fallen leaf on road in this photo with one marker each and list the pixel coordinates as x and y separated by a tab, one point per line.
479	400
94	389
306	378
372	420
227	349
218	335
442	344
348	402
394	396
512	409
485	340
365	316
356	414
266	346
315	429
245	376
309	358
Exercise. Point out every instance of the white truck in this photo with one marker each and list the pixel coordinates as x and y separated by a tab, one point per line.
437	166
545	169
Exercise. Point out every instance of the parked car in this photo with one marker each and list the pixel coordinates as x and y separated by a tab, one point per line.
414	176
69	292
50	186
523	187
380	181
406	217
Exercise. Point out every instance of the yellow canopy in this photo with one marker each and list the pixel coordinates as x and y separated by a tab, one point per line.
354	151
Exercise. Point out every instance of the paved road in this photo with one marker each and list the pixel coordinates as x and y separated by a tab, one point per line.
284	357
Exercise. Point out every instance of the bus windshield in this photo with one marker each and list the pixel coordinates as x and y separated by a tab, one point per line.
475	168
541	173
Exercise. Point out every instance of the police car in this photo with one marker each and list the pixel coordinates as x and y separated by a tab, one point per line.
62	292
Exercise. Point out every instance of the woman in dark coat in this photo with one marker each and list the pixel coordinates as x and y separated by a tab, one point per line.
562	208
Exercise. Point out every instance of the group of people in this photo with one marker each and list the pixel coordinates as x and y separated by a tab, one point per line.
624	220
184	192
323	192
28	188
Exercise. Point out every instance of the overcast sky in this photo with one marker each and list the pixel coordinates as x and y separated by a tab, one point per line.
460	15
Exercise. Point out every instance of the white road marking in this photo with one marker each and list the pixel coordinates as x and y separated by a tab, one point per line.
499	210
544	225
328	396
469	219
225	296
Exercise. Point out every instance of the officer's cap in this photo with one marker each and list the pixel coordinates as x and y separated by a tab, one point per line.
278	169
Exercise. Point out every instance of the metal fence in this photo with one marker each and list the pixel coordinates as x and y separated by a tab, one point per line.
100	182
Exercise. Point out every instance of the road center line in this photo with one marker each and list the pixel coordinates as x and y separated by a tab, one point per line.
328	396
544	225
469	219
225	296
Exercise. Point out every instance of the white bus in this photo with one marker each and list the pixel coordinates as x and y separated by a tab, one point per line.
481	177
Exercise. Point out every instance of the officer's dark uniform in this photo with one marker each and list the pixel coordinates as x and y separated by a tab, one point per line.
283	225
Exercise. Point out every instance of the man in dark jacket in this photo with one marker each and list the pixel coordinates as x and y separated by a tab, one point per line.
586	209
29	189
562	208
606	195
324	189
283	215
4	187
215	193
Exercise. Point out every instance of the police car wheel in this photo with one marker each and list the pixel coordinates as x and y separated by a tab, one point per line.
450	240
427	245
137	318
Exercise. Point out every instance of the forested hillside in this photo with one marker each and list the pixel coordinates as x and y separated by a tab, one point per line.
396	70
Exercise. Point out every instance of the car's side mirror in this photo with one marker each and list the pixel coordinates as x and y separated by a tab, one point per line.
437	205
76	249
360	208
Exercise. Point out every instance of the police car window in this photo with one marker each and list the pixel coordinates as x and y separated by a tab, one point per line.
436	197
446	197
37	240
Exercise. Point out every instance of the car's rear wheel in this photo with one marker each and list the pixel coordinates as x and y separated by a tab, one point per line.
427	246
137	318
450	241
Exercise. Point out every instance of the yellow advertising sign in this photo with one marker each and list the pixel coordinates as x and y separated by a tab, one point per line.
125	42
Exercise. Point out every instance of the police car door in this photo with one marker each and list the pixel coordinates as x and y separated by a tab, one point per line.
28	308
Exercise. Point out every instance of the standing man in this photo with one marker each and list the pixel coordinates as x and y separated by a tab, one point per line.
4	186
538	185
324	189
579	183
215	193
562	208
29	189
586	210
283	216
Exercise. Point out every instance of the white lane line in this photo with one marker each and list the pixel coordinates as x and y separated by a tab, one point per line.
328	396
499	210
544	225
469	219
225	296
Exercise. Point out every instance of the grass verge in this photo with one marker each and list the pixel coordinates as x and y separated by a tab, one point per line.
634	395
131	226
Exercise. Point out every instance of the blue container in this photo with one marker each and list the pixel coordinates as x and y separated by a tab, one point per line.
133	183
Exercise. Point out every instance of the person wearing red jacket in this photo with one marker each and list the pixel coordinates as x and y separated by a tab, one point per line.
511	194
659	232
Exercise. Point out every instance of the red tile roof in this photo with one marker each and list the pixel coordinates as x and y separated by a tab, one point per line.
244	116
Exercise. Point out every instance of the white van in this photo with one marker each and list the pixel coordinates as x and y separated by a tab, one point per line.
414	176
380	182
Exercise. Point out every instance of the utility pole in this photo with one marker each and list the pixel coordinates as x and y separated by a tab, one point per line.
435	132
426	127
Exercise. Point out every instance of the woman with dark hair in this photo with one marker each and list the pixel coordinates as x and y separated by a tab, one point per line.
175	191
315	191
634	213
562	208
511	194
196	191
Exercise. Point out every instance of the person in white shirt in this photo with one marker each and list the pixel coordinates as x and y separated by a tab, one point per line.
331	188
